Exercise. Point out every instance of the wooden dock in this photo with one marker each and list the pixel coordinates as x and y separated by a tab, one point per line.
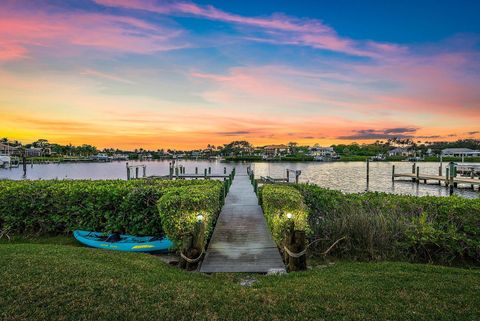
448	179
425	178
241	241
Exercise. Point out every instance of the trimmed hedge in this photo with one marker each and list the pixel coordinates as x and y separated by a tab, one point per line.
61	206
180	206
388	226
277	201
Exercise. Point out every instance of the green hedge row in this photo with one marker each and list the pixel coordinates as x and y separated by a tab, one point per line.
180	207
387	226
61	206
279	200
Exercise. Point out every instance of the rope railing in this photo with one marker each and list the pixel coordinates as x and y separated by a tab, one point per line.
189	260
304	251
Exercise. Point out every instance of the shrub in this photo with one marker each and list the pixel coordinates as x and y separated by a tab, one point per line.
179	208
277	201
61	206
387	226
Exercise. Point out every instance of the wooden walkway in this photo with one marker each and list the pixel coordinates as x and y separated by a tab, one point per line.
241	241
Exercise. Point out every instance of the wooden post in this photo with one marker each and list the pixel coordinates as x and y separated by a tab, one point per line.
368	172
187	244
136	172
297	175
205	173
209	170
295	242
472	177
176	172
418	174
453	174
289	234
197	245
24	163
196	170
288	175
440	174
144	171
393	173
447	177
224	170
413	171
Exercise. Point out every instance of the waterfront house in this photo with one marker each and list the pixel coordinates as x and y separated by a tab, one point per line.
6	149
38	151
460	152
399	152
324	152
271	151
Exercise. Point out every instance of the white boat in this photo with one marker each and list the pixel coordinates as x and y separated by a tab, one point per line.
101	158
5	161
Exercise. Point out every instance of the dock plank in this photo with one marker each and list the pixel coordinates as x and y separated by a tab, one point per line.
241	241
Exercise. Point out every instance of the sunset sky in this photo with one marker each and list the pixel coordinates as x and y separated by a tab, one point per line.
160	74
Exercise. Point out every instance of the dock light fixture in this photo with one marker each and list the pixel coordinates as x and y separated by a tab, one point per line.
199	217
289	215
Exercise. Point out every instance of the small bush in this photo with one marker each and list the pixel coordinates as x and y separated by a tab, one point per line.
387	226
180	206
277	201
61	206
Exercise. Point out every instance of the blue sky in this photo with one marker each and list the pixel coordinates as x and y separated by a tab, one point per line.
184	74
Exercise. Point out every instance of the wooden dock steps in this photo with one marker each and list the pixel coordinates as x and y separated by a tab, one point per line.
241	241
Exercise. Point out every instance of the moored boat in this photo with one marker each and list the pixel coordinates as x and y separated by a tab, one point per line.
123	242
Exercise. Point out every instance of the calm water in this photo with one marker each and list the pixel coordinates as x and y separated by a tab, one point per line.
344	176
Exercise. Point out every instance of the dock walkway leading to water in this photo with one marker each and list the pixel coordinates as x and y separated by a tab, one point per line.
241	241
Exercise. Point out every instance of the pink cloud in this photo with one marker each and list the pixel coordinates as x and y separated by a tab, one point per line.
22	31
11	51
280	22
279	28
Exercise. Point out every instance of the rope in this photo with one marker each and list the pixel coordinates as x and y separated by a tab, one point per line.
299	254
295	255
191	260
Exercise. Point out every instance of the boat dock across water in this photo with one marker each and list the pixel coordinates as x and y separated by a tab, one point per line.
469	175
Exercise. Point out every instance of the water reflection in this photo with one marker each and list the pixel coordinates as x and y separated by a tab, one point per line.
344	176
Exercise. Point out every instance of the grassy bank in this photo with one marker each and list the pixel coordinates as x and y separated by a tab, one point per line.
53	282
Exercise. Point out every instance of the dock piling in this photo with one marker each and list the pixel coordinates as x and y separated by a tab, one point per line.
393	173
24	164
295	242
368	172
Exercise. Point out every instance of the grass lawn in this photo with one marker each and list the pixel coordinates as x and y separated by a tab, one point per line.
43	281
